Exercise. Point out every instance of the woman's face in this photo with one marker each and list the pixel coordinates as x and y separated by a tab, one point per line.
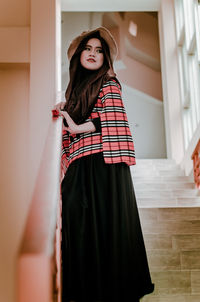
92	56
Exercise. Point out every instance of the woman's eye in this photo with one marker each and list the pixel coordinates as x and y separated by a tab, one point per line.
87	48
99	50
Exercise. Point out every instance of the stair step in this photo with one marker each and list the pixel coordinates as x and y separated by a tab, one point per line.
172	298
170	221
155	172
171	227
161	179
155	165
158	241
165	260
169	214
179	242
174	283
162	186
168	201
167	193
155	161
159	166
186	242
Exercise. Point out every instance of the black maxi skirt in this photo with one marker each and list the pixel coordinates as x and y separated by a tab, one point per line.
103	252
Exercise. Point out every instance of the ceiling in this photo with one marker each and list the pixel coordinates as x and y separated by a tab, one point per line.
112	5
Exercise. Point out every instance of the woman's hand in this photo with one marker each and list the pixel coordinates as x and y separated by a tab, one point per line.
72	128
59	106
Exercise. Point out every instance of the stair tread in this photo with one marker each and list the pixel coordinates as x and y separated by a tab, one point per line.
167	193
160	179
169	185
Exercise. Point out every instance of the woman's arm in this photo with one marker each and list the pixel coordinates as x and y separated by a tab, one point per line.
73	128
84	128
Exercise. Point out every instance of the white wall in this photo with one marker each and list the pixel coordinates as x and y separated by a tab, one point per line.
146	120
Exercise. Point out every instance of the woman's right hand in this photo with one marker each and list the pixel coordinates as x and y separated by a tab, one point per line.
59	106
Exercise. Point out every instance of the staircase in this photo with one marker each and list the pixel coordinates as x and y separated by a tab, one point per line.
169	207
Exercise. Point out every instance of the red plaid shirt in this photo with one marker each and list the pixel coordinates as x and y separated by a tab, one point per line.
114	140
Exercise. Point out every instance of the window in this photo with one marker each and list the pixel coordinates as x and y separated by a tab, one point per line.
132	28
187	15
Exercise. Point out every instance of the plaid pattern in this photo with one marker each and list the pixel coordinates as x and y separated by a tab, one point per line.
114	140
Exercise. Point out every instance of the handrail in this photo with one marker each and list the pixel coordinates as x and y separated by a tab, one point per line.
196	164
39	256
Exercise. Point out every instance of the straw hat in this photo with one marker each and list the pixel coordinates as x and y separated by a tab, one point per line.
104	33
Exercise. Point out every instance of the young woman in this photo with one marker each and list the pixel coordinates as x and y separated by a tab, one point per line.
103	252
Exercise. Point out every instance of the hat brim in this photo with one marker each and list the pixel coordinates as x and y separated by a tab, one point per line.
104	33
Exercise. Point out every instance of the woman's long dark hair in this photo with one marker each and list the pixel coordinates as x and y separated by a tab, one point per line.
84	85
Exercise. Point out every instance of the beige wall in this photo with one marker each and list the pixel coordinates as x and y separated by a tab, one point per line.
14	13
147	39
140	54
14	103
142	78
14	91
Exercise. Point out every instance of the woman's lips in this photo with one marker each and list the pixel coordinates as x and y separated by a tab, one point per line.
91	60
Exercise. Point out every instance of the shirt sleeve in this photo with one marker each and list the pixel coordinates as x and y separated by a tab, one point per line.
117	140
